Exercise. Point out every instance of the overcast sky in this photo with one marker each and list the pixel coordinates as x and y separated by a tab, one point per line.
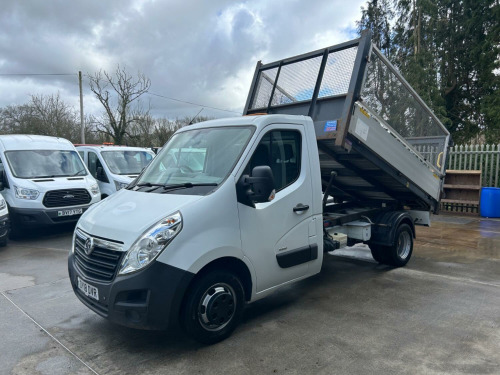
201	51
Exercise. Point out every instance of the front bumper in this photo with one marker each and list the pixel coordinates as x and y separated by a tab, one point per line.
44	216
148	299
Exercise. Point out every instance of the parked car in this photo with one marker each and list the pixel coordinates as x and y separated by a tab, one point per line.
44	181
114	167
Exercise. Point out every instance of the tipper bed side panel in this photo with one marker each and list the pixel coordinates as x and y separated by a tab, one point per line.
375	134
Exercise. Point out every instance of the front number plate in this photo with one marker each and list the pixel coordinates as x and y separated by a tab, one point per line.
88	290
76	211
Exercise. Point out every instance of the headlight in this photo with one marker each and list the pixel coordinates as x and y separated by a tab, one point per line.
94	189
2	204
23	193
120	185
151	243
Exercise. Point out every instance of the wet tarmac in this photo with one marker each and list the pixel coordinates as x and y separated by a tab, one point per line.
438	315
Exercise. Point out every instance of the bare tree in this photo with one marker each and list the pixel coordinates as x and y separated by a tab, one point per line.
117	93
44	115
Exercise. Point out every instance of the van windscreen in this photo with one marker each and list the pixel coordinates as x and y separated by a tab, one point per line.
45	163
126	162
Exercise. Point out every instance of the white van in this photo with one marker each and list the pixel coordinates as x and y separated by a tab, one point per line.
44	181
114	167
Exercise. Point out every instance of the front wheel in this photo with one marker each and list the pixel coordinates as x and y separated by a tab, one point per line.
213	306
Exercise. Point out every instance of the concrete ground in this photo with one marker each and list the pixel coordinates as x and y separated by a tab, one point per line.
438	315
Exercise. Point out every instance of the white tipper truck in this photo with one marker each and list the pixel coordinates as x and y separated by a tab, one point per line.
344	152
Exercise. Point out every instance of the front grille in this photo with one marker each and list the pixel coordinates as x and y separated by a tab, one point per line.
66	197
101	264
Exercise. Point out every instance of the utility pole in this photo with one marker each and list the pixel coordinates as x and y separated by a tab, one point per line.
82	124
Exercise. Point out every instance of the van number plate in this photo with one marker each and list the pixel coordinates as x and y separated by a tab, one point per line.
88	290
75	211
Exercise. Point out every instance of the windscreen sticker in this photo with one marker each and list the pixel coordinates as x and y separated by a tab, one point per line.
331	126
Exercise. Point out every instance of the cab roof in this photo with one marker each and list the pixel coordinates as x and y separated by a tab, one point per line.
100	148
258	121
33	142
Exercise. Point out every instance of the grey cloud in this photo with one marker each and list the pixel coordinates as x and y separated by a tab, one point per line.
199	51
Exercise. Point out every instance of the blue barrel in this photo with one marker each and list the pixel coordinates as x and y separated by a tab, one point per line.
490	202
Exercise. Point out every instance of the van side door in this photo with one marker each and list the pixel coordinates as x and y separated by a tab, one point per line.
275	234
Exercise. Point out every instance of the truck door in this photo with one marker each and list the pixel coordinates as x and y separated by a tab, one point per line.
275	235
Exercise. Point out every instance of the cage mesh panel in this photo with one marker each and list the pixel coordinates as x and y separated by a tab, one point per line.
296	83
338	72
385	94
264	88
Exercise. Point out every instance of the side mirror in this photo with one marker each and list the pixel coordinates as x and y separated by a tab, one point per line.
101	175
257	188
2	180
262	181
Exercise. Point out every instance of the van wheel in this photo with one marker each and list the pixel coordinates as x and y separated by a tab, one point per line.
213	307
399	253
104	196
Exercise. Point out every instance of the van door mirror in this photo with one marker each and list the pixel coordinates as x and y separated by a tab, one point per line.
3	183
101	175
257	188
262	182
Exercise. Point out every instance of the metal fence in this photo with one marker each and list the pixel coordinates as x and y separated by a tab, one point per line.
485	158
477	157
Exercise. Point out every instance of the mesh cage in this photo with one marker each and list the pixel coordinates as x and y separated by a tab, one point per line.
264	88
297	80
385	94
338	71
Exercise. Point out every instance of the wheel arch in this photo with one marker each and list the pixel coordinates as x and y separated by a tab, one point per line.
234	265
387	224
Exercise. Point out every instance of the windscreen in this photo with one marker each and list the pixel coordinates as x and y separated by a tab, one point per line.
45	163
198	156
126	162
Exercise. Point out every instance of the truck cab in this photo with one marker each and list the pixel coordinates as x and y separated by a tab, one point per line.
205	218
43	181
114	167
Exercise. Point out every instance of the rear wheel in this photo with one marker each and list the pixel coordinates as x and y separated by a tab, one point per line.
399	253
213	307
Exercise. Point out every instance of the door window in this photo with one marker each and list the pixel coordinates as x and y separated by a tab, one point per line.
280	150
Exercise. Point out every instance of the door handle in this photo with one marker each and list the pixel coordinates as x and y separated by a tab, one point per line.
300	208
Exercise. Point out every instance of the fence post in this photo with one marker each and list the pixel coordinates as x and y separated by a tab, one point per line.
498	163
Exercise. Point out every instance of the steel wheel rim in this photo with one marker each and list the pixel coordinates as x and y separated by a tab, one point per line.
404	245
217	307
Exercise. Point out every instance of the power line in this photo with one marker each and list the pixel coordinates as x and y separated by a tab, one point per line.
37	74
196	104
150	93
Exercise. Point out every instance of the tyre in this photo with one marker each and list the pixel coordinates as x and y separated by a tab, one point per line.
212	307
400	252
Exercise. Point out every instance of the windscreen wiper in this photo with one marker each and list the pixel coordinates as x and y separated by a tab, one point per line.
77	173
185	185
145	184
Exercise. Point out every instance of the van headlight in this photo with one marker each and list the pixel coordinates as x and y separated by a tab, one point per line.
94	189
151	243
24	193
2	204
120	185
